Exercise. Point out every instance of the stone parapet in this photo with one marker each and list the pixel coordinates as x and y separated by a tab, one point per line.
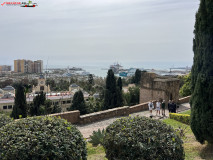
72	116
75	118
184	100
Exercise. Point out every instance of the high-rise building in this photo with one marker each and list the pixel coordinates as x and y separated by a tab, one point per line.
28	66
5	68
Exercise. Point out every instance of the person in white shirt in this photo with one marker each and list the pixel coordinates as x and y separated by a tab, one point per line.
158	106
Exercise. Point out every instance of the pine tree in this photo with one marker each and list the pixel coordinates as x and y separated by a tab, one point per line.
202	74
20	107
110	96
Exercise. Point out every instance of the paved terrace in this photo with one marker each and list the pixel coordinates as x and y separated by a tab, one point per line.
88	129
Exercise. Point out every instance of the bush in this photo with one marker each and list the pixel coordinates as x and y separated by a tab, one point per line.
97	137
184	118
142	138
4	120
41	138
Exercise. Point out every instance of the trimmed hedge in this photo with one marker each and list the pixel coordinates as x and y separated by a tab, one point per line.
139	138
4	120
41	138
184	118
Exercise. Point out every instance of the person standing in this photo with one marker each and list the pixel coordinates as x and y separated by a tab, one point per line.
174	107
158	104
151	106
163	105
169	106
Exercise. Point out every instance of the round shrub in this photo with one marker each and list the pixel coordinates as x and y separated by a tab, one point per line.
41	138
4	120
142	138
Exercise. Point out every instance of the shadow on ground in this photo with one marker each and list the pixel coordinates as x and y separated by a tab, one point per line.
207	152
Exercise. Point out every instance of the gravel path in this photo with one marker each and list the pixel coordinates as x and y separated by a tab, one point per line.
87	129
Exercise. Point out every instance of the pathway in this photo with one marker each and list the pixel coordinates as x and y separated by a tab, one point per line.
87	129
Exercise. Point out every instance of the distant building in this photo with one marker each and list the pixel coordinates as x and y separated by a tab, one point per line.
74	87
9	90
28	66
5	68
41	86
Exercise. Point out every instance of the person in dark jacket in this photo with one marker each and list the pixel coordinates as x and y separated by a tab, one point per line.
173	107
169	106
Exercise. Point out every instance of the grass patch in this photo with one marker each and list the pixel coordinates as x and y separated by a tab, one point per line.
95	153
186	112
193	149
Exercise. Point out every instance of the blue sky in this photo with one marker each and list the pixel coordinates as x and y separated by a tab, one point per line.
73	32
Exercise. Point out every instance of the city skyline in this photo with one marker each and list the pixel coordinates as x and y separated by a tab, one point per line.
99	32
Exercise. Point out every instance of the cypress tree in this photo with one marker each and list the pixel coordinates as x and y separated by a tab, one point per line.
137	76
119	93
20	107
78	103
202	74
110	96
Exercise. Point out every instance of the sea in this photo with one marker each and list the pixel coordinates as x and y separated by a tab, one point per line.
100	70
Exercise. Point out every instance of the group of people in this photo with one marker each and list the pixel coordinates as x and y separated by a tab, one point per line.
161	105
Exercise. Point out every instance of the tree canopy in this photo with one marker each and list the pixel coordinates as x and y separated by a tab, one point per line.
202	74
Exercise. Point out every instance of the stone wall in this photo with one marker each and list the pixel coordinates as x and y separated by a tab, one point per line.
184	100
72	116
75	118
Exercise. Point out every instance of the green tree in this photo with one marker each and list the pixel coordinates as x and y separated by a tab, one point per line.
119	93
37	108
137	76
20	107
185	90
78	103
110	95
134	95
202	74
90	79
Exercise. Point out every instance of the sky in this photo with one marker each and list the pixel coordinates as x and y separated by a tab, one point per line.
97	32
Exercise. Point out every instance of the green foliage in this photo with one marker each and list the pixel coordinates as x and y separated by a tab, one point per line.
97	137
43	106
90	79
119	93
20	107
202	74
4	120
78	103
184	118
137	76
37	108
93	105
41	138
142	138
110	96
132	97
185	90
